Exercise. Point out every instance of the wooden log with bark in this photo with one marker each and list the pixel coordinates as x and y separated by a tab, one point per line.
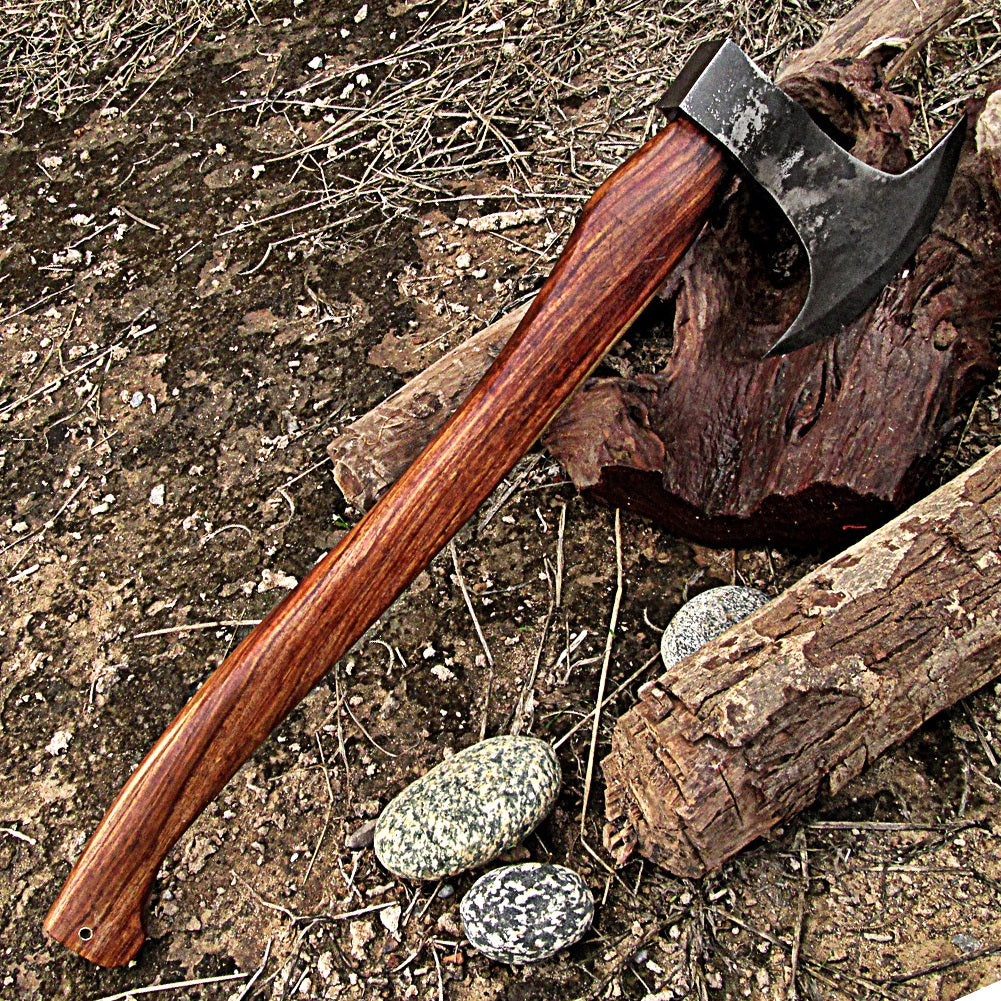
723	447
798	698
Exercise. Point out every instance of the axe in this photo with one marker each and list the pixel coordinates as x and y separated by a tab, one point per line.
858	226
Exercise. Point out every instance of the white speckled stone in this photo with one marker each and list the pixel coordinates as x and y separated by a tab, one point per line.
526	913
468	809
705	616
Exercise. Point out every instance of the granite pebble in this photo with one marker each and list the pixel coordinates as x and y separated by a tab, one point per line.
526	913
469	808
705	617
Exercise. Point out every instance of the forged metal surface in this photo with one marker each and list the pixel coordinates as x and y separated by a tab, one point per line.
859	225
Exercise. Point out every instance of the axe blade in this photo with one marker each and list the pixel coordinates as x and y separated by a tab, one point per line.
858	225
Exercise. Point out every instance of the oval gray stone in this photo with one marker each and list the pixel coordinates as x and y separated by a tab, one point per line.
526	913
468	809
705	617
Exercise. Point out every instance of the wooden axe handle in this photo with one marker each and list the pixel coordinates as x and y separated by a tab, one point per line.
630	235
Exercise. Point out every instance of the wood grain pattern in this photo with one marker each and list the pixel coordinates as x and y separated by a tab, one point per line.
630	235
375	450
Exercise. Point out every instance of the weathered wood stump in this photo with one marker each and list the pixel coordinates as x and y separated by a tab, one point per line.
729	450
723	447
798	698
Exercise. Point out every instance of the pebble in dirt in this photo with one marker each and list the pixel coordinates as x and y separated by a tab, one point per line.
526	913
468	809
705	617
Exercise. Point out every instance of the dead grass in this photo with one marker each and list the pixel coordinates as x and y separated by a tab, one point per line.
538	104
58	54
546	100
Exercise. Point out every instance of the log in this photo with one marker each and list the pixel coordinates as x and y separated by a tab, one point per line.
372	452
721	447
797	699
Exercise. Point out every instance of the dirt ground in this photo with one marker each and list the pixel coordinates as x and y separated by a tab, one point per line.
202	280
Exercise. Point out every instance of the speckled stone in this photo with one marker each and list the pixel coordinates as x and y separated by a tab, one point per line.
468	809
705	616
526	913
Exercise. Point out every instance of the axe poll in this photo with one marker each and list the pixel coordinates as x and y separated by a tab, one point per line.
858	226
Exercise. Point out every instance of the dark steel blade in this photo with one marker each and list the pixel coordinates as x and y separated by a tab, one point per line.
859	225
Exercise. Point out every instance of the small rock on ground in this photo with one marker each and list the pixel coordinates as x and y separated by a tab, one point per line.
705	617
526	913
468	809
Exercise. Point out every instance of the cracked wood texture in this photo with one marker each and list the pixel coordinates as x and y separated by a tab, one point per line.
833	439
797	699
604	277
818	445
807	449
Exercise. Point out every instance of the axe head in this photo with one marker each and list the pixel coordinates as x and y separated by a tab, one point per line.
859	225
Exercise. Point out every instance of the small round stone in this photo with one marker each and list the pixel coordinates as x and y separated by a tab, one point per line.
526	913
468	809
705	616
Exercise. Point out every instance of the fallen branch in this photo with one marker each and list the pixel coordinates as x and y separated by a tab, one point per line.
372	452
797	699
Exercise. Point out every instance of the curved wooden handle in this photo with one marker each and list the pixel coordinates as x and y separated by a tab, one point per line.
631	233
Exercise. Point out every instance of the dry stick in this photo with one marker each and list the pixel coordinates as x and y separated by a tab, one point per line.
330	808
249	985
469	603
362	910
886	825
38	302
559	560
56	345
170	62
195	626
437	966
177	985
797	939
527	471
982	739
613	622
526	701
18	835
349	877
260	899
340	725
357	722
35	536
290	964
139	219
55	383
608	698
219	531
945	964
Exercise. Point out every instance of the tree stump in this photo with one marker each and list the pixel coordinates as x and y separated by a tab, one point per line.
797	699
833	439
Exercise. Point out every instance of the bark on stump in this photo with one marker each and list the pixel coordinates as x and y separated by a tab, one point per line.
727	449
798	698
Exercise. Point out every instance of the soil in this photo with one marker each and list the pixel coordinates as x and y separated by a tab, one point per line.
168	383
